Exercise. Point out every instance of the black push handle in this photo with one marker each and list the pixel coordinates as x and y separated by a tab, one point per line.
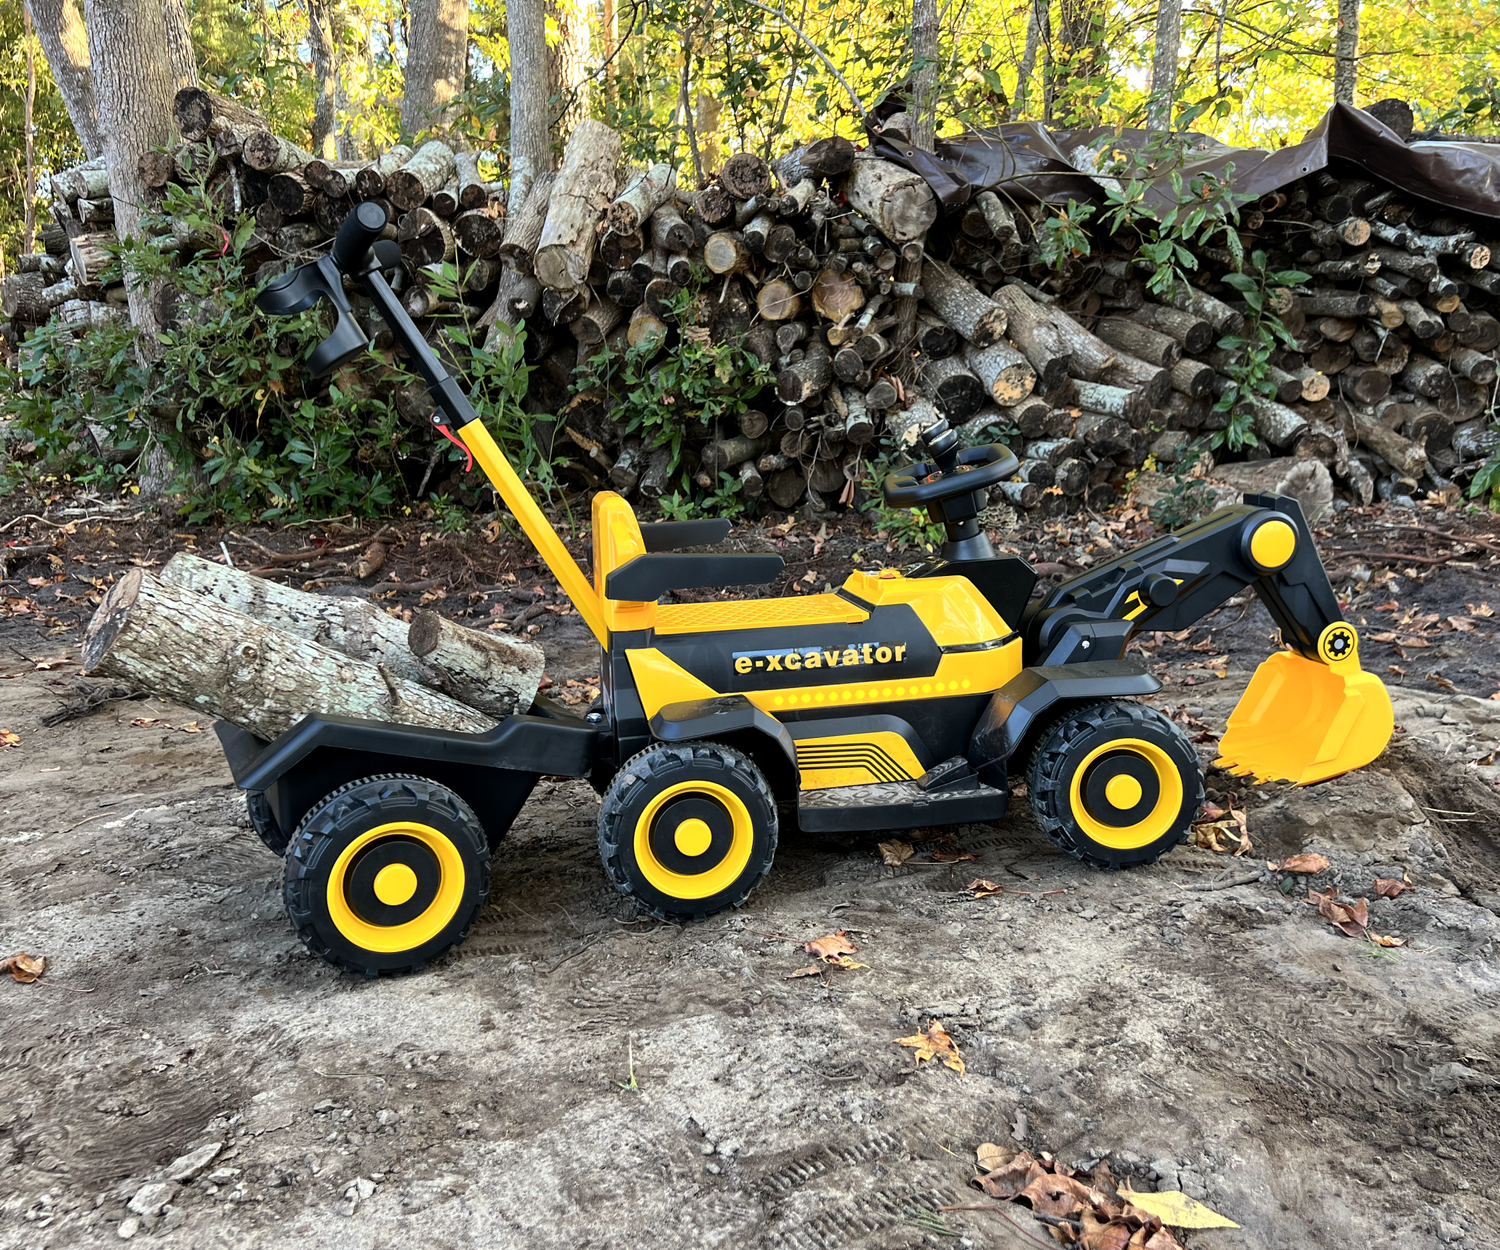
361	230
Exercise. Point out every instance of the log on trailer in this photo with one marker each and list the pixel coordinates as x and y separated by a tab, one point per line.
192	650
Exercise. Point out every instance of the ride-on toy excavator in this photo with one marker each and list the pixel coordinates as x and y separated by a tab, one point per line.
902	699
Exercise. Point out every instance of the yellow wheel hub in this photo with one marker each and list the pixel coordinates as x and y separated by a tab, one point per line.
396	885
1122	792
693	837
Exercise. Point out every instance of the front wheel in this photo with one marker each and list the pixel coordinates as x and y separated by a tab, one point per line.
1115	784
386	874
688	830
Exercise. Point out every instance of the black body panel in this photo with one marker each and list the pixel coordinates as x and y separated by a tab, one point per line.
941	807
1017	706
646	578
494	772
674	535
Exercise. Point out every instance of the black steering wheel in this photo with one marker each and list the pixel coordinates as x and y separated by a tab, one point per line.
948	473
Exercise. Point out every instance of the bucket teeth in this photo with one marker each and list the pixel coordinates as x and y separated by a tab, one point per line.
1302	721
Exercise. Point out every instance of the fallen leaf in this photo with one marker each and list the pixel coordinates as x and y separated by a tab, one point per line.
147	722
811	970
1381	940
1009	1179
843	961
48	665
935	1043
953	857
830	947
1308	863
989	1156
895	853
1351	920
1483	609
23	967
1485	760
1114	1235
1177	1209
984	889
8	739
809	576
1391	887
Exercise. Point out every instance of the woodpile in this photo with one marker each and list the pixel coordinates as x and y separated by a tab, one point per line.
262	655
1082	371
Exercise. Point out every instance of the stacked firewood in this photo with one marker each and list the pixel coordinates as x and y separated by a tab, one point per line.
809	262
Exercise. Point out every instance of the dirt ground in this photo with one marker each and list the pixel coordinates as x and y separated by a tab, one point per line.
574	1076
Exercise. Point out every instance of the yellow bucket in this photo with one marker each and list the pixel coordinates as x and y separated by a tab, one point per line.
1303	721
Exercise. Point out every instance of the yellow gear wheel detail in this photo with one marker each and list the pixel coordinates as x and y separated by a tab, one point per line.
1273	543
388	939
1337	642
719	876
1124	792
1156	822
693	836
395	884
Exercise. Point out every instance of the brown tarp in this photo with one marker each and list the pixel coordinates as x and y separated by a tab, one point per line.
1032	162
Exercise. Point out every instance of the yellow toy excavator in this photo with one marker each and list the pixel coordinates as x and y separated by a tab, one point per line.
902	699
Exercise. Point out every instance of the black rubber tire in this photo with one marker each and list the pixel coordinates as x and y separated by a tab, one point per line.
1069	740
644	776
263	821
342	816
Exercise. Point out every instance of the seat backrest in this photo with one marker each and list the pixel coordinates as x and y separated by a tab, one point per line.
617	539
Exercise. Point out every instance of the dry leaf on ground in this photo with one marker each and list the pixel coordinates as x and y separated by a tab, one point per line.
9	739
23	967
990	1156
1391	887
935	1043
984	889
1224	834
811	970
1308	863
895	853
830	947
1381	940
1348	918
1177	1209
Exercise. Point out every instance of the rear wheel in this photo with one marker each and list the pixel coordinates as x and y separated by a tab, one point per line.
1115	784
688	830
386	873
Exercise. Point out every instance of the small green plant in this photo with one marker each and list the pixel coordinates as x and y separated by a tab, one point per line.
1186	498
630	1085
448	514
1262	335
1061	237
699	385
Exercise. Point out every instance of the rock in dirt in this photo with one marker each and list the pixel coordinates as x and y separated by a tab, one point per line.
190	1164
129	1227
150	1198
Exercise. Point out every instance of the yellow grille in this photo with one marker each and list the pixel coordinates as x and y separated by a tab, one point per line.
692	618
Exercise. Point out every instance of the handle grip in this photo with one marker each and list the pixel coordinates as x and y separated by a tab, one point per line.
361	229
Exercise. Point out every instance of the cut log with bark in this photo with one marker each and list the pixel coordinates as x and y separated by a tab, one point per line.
1030	328
899	202
370	181
191	649
824	158
195	109
643	193
584	186
954	388
507	668
1006	374
961	305
271	154
429	170
523	231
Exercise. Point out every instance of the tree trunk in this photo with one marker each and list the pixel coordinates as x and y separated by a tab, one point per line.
1164	64
503	671
1346	52
437	61
65	44
530	117
325	58
568	64
191	649
180	53
28	232
133	87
